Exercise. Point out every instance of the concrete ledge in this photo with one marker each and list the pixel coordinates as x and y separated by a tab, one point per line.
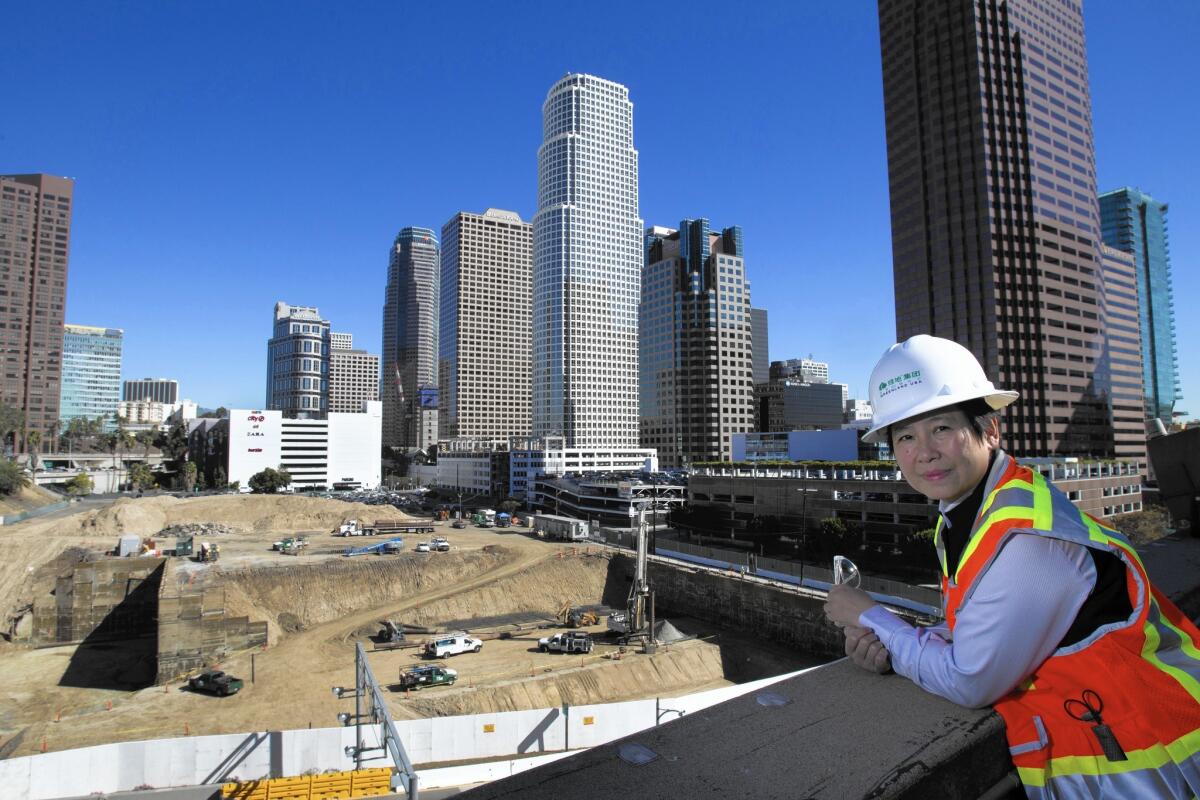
840	732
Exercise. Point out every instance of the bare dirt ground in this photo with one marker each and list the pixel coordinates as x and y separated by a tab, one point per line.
317	605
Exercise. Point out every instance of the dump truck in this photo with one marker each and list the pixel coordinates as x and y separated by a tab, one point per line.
568	642
426	675
214	681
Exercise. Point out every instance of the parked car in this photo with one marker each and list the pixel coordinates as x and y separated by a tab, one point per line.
427	675
214	681
452	645
440	544
568	642
459	523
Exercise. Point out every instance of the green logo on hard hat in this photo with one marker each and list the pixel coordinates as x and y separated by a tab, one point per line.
899	382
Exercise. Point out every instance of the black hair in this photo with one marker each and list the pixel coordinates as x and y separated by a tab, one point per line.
979	418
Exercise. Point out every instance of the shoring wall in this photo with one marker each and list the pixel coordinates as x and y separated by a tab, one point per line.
193	630
113	598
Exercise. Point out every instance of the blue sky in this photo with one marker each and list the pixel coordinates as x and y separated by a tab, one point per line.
231	154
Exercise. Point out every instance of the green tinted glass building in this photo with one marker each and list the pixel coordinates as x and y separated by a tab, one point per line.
1135	222
91	373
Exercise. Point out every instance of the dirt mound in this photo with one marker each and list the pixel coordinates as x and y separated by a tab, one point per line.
681	668
146	516
201	529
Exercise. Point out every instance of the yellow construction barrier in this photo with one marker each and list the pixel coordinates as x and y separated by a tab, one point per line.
330	786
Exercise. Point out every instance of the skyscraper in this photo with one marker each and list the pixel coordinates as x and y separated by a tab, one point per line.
995	226
159	390
762	356
35	236
1120	365
410	342
298	363
697	345
587	262
484	370
91	373
1135	222
353	380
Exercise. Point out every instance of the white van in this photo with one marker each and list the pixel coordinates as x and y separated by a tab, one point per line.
452	645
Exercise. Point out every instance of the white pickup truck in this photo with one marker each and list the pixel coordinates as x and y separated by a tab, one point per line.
569	642
451	645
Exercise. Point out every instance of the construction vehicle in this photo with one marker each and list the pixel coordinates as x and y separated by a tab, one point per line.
390	546
439	544
503	520
214	681
443	514
571	642
484	518
394	635
632	622
390	526
348	528
208	552
577	617
426	675
291	544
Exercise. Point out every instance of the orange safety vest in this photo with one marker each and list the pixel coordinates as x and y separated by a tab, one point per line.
1144	671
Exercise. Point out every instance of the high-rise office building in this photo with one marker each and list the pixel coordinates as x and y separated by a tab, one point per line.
807	370
1135	222
91	373
158	390
298	363
353	379
1120	366
762	356
995	225
587	262
410	342
697	345
484	370
35	236
341	341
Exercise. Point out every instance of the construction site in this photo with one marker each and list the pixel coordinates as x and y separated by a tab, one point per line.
99	647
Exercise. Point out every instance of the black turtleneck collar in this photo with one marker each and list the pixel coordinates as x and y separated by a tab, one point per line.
961	519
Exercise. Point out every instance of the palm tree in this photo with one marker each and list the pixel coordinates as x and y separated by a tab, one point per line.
34	441
122	441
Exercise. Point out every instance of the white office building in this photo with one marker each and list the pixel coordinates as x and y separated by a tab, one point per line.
341	451
531	459
587	262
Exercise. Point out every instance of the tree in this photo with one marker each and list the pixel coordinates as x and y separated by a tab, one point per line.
220	479
141	476
12	420
269	481
189	475
12	477
173	444
81	484
219	413
34	441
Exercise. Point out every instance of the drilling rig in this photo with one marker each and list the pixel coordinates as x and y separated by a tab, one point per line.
633	623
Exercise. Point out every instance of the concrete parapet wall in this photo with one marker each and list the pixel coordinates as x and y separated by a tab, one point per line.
194	631
529	738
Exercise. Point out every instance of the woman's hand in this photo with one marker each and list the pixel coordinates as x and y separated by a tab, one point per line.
864	649
845	604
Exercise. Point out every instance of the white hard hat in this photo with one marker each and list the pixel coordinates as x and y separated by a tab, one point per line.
925	373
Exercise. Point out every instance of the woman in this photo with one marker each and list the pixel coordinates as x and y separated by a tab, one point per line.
1050	617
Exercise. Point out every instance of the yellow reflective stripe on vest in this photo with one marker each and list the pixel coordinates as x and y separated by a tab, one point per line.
1150	653
1015	483
1004	514
1151	758
938	546
1043	503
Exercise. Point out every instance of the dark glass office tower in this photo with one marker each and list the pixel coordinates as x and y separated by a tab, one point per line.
995	226
409	384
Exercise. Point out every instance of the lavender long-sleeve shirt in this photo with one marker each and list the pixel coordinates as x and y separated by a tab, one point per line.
1020	610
